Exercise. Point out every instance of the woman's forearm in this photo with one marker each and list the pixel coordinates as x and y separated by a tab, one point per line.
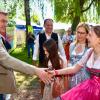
69	70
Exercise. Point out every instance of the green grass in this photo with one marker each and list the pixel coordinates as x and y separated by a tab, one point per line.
21	53
22	80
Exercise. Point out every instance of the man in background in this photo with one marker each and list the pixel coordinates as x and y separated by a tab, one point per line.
41	38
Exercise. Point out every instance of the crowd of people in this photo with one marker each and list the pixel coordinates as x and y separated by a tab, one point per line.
73	61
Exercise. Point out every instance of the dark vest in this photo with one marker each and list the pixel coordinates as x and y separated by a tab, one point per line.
42	39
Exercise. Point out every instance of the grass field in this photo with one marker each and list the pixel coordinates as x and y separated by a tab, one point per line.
21	53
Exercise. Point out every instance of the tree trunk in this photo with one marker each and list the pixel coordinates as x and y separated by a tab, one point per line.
76	21
27	14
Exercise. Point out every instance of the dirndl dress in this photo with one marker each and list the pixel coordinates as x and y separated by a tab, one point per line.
87	90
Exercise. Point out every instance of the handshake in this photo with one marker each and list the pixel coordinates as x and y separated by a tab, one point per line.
46	75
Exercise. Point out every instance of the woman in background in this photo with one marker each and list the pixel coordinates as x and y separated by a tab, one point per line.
77	50
66	40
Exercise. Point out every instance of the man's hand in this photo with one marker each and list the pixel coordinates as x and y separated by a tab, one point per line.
44	76
51	73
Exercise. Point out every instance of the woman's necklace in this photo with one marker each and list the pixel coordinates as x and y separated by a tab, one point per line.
79	48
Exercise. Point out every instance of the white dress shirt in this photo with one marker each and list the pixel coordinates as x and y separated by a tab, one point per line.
36	47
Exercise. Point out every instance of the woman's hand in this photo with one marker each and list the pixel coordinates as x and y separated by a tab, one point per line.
43	75
52	73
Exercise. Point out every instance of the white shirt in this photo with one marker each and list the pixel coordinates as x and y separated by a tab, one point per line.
89	61
36	47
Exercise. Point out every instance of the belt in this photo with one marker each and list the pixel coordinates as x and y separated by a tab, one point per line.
95	74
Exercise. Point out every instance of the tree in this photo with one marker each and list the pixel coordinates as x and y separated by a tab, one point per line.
73	10
27	14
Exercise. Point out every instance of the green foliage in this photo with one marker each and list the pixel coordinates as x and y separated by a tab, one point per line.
97	4
76	6
21	53
67	10
11	23
61	6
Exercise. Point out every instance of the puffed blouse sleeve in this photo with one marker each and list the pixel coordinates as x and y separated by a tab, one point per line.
85	58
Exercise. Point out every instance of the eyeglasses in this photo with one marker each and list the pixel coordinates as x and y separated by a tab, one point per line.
81	32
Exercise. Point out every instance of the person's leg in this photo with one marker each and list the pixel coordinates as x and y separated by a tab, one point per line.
28	50
32	49
2	97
